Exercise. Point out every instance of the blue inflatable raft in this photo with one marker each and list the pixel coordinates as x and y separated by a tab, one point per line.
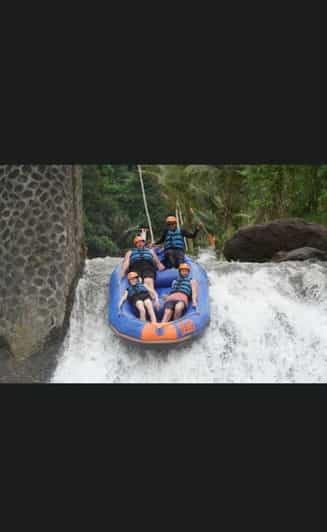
128	326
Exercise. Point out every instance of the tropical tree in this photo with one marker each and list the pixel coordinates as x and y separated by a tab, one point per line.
223	197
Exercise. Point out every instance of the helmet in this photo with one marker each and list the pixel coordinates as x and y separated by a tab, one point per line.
138	239
171	219
132	275
184	266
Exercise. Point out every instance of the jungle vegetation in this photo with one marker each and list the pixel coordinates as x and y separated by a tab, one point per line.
223	197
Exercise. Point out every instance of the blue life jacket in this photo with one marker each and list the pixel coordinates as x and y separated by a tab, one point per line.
174	239
139	288
183	285
138	255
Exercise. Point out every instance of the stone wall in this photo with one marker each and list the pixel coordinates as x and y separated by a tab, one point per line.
41	256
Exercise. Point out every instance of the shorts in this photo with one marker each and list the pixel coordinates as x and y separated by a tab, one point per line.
170	305
139	297
175	257
144	269
178	296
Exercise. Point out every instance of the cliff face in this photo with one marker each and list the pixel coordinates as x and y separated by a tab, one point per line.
41	256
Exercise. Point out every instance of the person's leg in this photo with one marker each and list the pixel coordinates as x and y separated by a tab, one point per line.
167	315
179	257
171	258
174	258
149	282
140	307
179	309
168	311
149	307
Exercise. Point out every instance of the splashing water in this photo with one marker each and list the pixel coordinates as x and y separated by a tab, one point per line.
268	324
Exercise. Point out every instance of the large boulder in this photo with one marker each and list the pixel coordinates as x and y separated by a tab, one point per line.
259	243
305	253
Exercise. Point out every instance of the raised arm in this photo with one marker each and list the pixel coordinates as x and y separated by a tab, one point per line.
187	234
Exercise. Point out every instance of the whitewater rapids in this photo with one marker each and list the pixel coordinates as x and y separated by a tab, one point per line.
268	325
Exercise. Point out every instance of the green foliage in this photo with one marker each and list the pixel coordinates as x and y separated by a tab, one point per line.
223	197
114	209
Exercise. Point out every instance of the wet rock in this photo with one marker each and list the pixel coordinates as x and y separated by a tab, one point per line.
304	253
260	243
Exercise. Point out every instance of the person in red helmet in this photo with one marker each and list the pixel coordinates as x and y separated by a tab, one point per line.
184	289
140	297
174	241
143	261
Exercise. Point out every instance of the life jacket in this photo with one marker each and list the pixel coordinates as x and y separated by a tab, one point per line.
174	239
183	285
138	288
140	254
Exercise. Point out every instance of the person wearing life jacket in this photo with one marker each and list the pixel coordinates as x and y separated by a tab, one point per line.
174	241
140	297
143	261
184	290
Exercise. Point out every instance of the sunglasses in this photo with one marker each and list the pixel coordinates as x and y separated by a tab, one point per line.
171	223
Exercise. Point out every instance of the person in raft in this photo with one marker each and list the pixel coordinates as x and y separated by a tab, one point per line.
183	290
140	297
174	241
143	261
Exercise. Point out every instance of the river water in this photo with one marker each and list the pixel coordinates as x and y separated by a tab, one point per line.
268	324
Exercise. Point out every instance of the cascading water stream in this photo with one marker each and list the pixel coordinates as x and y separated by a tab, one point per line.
268	324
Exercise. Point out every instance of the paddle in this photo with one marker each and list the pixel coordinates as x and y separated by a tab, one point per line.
198	220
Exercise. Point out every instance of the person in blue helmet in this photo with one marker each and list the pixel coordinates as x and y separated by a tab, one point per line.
173	239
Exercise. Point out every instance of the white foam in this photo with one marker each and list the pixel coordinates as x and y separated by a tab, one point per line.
268	324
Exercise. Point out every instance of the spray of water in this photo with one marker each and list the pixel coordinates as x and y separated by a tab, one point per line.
268	324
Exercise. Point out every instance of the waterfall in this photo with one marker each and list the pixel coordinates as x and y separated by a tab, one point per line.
268	324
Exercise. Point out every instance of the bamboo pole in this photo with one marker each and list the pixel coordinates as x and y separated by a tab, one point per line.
182	223
177	217
145	202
